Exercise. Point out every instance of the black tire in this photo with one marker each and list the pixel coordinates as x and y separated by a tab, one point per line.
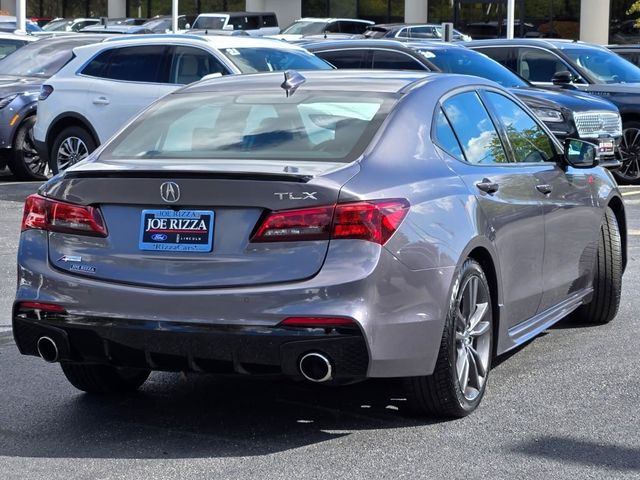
607	276
103	378
70	133
440	394
25	162
629	150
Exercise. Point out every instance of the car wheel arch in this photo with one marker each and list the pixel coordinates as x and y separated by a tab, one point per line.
615	203
24	113
69	120
481	250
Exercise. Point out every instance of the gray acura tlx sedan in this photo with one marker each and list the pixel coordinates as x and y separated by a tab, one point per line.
334	226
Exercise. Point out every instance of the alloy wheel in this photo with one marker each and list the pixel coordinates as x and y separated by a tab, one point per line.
472	337
630	155
71	151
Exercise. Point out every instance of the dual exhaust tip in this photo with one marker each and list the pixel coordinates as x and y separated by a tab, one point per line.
315	367
47	349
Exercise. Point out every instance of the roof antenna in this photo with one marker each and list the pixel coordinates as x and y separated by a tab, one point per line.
292	80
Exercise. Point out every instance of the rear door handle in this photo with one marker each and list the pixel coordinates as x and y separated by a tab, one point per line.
101	101
487	186
544	189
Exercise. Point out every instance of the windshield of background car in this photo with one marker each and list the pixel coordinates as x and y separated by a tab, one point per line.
604	66
38	59
468	62
307	126
57	26
209	23
305	28
251	60
7	46
159	23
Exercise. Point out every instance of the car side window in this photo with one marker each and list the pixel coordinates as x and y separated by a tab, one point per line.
190	64
352	27
145	63
537	65
388	60
503	55
475	129
444	136
269	21
527	139
423	32
332	27
97	66
345	58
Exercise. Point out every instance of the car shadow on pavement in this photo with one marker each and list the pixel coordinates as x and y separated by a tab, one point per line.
203	416
569	450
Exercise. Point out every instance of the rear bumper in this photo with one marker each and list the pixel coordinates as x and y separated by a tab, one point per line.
400	312
192	347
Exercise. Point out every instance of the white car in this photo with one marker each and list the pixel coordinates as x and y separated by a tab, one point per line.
106	84
255	24
307	26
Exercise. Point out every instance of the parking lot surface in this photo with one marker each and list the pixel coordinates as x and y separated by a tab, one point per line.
563	406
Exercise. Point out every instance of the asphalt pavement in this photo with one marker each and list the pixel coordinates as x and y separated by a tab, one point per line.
564	406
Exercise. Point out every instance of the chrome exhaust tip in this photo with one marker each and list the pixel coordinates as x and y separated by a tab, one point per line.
47	349
316	367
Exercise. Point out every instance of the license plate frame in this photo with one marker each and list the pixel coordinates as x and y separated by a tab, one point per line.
176	230
606	146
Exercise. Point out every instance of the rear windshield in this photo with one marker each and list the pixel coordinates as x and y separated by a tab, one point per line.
252	60
305	28
209	23
309	126
57	26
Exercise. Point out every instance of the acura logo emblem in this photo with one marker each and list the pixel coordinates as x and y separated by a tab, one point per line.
170	192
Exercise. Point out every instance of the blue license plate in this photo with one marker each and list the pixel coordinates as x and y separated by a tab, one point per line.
176	230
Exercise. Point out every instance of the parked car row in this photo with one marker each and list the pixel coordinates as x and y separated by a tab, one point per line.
70	126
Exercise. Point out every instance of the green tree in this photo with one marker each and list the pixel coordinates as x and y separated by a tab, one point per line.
635	8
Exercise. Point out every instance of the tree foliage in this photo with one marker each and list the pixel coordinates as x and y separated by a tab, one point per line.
635	8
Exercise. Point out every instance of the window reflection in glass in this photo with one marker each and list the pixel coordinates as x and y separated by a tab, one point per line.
474	128
528	141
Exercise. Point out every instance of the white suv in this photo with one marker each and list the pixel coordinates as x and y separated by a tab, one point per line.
105	84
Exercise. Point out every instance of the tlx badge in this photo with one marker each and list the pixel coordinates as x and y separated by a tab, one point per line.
293	196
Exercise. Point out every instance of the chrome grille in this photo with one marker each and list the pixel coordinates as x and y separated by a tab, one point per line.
595	124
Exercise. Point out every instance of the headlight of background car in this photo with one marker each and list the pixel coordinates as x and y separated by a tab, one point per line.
548	115
7	100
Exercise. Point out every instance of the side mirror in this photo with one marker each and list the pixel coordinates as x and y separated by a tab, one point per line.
563	78
187	26
580	154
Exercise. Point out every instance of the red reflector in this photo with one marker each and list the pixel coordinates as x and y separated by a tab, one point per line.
45	307
46	214
317	322
375	221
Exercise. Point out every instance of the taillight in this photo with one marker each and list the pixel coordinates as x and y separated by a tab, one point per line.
294	225
374	221
54	216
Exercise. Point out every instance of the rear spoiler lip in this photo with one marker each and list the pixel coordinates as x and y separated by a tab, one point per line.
259	176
